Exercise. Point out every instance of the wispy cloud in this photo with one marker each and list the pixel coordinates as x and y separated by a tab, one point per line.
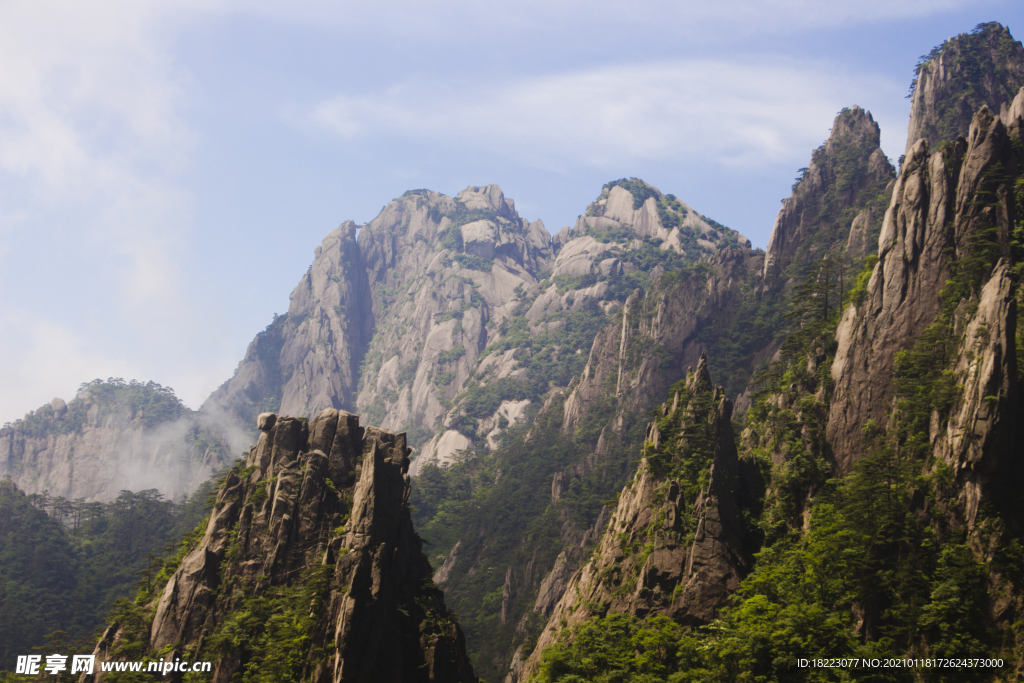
93	206
687	18
738	113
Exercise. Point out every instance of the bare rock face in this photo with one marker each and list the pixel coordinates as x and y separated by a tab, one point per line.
397	323
324	504
642	210
845	173
942	205
968	71
670	548
308	360
979	440
413	297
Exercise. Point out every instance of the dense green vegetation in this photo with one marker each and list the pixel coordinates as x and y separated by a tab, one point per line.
863	554
272	630
620	647
63	564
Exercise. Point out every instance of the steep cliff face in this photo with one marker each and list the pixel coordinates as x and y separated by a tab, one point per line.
115	436
982	68
877	472
658	334
393	322
836	201
309	569
952	215
674	544
445	272
308	360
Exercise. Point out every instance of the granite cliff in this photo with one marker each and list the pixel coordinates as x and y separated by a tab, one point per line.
952	217
895	373
674	544
410	321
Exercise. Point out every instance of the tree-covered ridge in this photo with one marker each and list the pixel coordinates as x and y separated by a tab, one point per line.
64	563
958	76
838	201
116	435
148	402
495	507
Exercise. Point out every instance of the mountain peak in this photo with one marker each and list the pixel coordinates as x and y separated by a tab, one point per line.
847	171
958	77
487	198
853	125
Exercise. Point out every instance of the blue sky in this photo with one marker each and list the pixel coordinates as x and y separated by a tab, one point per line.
168	167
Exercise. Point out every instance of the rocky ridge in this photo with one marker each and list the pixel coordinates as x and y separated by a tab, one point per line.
401	321
674	544
837	202
950	208
308	567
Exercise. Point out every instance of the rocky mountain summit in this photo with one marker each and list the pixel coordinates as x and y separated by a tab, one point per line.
421	321
308	568
839	198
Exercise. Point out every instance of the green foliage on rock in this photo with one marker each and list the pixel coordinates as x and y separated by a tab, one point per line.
272	630
620	647
982	67
147	403
640	190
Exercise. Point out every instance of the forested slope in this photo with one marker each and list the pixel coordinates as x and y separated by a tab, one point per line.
62	569
880	449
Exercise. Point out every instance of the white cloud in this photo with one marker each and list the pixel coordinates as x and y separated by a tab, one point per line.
732	113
